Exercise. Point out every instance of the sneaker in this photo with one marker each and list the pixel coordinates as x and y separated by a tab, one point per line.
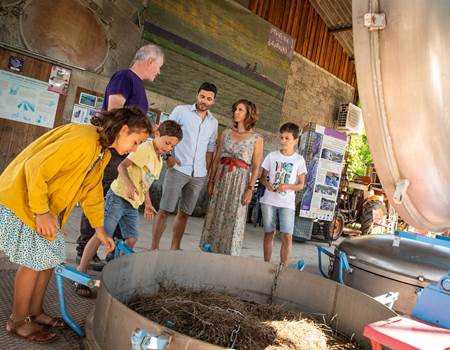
96	263
109	257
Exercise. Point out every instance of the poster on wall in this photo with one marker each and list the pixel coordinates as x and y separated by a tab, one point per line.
82	114
88	99
163	117
27	100
59	80
15	63
324	173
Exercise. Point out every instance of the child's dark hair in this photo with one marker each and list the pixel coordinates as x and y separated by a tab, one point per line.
208	87
252	113
291	128
170	128
111	122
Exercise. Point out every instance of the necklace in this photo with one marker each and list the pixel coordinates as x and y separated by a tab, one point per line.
240	132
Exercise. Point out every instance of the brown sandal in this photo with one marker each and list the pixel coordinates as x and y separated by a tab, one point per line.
37	336
53	322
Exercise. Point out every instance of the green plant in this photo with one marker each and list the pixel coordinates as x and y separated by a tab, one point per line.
359	156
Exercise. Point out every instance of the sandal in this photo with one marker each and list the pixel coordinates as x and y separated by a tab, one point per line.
83	291
49	321
38	335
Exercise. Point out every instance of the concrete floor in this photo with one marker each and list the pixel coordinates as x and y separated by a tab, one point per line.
252	246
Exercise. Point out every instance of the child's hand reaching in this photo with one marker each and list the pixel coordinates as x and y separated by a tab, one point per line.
149	212
47	226
131	191
104	239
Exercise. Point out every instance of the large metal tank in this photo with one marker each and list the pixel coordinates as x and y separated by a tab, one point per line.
110	325
388	263
403	78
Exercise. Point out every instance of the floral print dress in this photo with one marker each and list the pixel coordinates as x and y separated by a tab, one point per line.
225	222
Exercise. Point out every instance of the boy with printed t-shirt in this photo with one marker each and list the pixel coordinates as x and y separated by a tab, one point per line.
131	188
283	174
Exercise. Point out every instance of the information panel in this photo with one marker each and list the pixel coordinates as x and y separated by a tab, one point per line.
324	173
27	100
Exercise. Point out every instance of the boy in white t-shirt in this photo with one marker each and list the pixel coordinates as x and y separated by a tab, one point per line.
283	174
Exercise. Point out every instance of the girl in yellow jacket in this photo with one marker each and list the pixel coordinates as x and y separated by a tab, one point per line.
38	190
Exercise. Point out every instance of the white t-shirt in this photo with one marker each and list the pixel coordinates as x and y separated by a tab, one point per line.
282	170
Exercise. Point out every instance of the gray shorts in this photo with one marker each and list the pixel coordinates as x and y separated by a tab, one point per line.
177	184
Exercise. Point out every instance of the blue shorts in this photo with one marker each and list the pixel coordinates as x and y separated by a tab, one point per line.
286	216
120	212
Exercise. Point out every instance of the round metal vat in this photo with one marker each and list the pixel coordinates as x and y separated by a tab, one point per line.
404	84
112	322
378	266
65	30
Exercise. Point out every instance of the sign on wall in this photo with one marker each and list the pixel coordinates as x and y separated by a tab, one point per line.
324	173
15	63
27	100
281	41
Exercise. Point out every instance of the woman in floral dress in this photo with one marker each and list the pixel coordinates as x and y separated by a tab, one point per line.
234	172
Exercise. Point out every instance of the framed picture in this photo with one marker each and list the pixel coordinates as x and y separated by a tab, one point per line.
15	63
87	100
59	80
99	103
78	114
163	117
152	116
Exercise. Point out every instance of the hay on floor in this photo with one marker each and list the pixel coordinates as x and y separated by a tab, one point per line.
224	320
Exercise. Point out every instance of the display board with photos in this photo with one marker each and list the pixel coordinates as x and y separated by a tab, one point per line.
87	103
324	150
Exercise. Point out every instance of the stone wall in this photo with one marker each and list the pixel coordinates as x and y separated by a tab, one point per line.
313	94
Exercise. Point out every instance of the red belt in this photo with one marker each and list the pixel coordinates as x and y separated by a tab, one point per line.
230	163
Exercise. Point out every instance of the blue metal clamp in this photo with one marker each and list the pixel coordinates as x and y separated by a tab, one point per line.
388	299
121	248
433	303
207	248
343	263
65	271
439	240
299	265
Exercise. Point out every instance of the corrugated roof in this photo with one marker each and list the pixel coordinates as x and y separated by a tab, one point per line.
337	14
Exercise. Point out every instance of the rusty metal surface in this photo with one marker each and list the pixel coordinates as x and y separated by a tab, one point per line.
65	30
67	339
250	279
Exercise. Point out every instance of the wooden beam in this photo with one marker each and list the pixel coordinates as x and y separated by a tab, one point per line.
339	29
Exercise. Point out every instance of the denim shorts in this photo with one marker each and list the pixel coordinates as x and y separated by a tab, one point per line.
285	215
120	212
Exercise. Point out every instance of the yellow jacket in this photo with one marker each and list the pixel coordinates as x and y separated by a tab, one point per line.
52	174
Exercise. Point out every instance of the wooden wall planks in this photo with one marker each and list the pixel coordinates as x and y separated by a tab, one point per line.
15	136
300	20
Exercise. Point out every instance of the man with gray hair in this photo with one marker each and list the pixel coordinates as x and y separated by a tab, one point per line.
126	88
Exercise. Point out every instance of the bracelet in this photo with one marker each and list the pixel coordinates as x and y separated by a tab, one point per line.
36	215
250	187
166	156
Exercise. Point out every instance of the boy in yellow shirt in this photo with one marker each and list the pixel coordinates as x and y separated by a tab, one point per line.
131	189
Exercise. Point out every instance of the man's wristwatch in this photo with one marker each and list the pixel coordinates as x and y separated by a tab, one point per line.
250	187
